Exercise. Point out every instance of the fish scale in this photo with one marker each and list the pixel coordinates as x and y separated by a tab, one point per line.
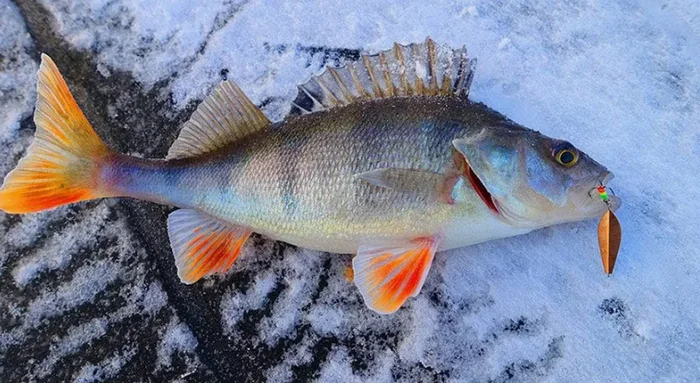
319	177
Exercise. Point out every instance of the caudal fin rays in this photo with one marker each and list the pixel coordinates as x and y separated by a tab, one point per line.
225	116
62	163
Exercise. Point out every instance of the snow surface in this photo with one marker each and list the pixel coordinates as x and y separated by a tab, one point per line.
34	246
17	84
619	79
177	337
55	266
17	71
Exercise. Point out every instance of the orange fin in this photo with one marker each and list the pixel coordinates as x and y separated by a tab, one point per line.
388	275
349	274
203	245
62	164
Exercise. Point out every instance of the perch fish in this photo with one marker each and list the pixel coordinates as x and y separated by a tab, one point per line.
385	158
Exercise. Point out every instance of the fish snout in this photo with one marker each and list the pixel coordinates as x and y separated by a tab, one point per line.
615	203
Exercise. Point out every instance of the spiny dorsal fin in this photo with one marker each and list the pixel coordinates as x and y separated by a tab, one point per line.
425	69
225	116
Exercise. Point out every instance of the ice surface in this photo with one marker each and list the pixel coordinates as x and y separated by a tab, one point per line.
76	337
106	369
619	79
58	250
61	269
17	89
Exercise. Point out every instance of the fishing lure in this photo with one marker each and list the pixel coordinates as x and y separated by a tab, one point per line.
609	233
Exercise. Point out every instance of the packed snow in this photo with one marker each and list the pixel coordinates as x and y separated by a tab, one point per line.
17	72
17	85
619	79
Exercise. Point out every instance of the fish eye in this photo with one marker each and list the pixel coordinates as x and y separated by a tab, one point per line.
566	157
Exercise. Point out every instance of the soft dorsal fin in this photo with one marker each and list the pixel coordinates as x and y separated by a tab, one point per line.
425	69
225	116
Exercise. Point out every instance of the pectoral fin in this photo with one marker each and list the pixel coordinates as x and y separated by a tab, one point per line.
203	245
388	275
431	184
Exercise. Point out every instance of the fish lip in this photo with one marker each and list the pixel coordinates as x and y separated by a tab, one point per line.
615	201
481	190
607	177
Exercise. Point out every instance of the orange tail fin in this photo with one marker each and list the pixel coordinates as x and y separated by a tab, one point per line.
62	164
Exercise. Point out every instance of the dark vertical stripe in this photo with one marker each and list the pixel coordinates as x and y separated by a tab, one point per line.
291	144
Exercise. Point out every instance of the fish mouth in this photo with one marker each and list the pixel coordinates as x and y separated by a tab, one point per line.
607	177
603	180
615	202
481	190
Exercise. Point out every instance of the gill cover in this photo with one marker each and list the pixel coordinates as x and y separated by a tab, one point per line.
512	164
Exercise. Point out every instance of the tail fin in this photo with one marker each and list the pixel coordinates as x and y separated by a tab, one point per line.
62	164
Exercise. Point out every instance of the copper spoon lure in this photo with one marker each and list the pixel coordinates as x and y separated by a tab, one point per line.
609	234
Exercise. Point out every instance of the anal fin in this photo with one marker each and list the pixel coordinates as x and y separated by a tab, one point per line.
388	275
203	245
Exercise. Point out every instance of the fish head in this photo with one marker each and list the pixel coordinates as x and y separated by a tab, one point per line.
530	180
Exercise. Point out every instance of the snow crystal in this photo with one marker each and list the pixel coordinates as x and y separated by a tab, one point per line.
177	337
128	34
60	248
326	320
106	369
32	226
235	304
300	285
87	281
338	368
17	73
76	337
154	298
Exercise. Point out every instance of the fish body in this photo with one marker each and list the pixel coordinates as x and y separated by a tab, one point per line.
391	161
297	181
